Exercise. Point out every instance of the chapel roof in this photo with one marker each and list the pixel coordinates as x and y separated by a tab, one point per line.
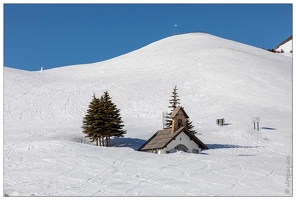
174	113
163	137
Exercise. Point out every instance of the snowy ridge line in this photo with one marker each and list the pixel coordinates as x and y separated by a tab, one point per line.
189	32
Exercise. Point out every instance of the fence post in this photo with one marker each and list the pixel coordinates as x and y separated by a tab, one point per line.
257	126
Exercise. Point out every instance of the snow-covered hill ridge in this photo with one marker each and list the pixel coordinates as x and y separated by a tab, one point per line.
216	78
189	46
203	55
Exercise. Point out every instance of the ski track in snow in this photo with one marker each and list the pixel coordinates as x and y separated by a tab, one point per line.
46	154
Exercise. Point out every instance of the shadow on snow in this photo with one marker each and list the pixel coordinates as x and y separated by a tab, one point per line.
134	143
226	124
227	146
268	128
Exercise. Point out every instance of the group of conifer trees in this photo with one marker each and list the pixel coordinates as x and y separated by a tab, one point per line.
102	121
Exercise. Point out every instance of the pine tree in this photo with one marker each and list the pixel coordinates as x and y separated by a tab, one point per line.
113	124
190	126
174	104
92	122
175	100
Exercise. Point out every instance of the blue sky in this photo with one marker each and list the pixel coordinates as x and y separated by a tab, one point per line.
55	35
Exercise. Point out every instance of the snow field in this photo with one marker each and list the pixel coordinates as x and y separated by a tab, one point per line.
45	153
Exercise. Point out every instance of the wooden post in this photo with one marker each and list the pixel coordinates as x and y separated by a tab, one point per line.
257	126
256	120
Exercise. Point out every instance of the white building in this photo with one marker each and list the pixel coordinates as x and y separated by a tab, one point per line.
175	138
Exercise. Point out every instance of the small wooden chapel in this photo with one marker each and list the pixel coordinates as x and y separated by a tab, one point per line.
176	138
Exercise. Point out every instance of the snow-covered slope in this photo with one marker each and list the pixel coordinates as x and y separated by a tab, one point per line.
45	152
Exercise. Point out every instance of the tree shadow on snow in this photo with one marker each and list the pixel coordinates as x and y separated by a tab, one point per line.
134	143
227	146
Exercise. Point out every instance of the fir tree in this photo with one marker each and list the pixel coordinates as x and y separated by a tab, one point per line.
102	121
92	122
113	124
175	100
190	126
174	104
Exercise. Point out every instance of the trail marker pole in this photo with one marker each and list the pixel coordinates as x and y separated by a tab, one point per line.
175	29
